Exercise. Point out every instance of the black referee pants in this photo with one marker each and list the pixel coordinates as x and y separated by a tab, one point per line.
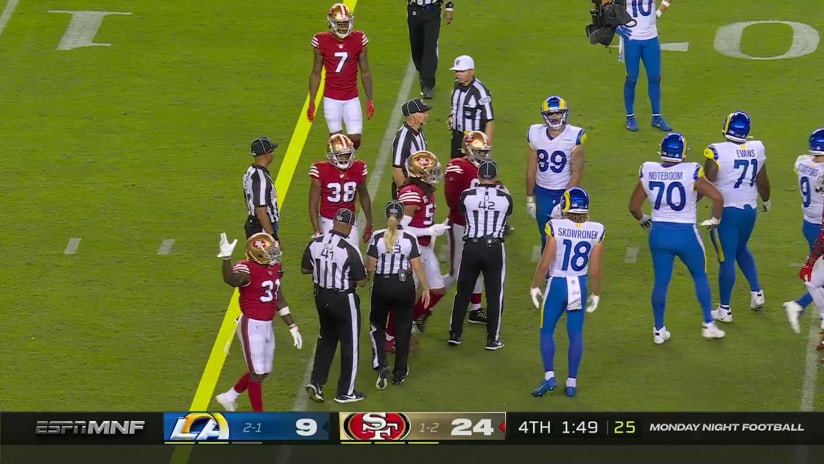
339	315
457	143
424	23
253	226
489	257
389	293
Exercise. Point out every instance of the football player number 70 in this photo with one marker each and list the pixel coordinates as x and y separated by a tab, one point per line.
343	57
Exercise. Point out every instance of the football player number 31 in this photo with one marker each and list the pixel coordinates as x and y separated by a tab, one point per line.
463	427
342	192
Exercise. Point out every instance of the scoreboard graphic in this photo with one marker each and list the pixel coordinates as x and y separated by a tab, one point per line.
374	427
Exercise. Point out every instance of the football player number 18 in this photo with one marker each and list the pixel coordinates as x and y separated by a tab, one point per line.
463	427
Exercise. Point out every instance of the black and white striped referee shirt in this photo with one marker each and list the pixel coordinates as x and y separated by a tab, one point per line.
259	190
471	107
487	209
404	248
335	264
407	141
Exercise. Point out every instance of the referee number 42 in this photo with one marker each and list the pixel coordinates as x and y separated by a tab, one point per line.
463	427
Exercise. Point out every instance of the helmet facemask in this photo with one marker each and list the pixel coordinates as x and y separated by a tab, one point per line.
555	119
341	21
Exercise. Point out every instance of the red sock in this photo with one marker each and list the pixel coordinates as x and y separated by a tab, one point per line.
390	325
255	396
475	298
242	383
420	309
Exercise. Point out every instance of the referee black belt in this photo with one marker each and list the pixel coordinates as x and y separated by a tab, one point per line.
395	275
429	7
333	290
486	240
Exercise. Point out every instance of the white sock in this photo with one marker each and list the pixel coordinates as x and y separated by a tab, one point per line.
549	374
571	382
475	306
232	394
707	325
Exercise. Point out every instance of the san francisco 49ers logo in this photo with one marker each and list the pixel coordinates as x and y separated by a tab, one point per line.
424	161
371	426
260	244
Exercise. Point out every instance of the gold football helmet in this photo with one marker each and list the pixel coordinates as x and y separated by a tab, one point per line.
425	166
476	147
262	248
340	20
340	150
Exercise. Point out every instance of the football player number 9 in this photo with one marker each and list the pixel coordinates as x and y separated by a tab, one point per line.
306	427
342	192
805	191
554	162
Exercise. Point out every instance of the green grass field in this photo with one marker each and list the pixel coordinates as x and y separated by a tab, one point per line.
125	146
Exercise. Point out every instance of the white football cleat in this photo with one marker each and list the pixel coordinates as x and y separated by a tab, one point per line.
722	315
757	300
228	404
821	324
712	331
661	335
448	280
794	311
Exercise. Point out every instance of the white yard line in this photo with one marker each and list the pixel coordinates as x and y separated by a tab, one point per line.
375	180
632	255
71	247
4	18
165	247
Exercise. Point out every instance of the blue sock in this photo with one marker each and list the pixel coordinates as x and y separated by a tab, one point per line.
704	295
805	300
548	348
659	303
726	281
575	326
747	264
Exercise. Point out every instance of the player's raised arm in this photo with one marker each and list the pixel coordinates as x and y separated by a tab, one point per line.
235	276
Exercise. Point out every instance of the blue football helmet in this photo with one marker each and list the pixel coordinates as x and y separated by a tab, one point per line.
673	148
817	142
555	112
737	127
575	200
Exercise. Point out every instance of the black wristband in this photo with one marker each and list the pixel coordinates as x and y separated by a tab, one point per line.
449	5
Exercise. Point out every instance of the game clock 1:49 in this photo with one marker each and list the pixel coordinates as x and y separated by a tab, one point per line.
561	428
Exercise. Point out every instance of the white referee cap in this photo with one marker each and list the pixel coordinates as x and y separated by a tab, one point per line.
463	63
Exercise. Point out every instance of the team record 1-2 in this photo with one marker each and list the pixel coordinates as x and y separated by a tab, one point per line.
187	428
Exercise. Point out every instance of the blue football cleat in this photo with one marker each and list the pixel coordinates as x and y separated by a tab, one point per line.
570	391
632	123
545	386
659	122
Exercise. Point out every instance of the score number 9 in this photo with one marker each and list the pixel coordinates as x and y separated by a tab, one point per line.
555	162
463	427
306	427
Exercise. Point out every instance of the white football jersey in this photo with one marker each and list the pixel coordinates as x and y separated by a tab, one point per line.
643	12
812	202
574	245
670	188
738	166
554	154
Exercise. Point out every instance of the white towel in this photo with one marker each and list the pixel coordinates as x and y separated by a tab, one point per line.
574	302
620	49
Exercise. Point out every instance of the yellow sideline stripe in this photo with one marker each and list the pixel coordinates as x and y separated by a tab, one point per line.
217	357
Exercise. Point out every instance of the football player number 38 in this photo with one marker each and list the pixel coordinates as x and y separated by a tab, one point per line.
463	427
554	162
344	192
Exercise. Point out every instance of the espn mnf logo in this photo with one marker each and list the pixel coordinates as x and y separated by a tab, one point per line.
89	427
199	426
376	426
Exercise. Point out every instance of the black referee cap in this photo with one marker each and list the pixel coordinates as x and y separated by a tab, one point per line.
394	208
262	145
488	170
345	216
416	105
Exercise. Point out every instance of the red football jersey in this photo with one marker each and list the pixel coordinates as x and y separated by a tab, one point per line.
259	299
460	175
425	215
340	58
338	188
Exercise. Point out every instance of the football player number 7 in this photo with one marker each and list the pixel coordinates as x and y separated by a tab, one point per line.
343	57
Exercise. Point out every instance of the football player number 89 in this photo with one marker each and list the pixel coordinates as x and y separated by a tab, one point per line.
463	427
555	162
306	427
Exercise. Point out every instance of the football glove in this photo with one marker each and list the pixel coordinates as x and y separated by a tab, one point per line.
296	336
438	229
370	109
226	248
806	272
765	206
310	113
593	303
530	207
645	221
367	233
535	293
712	223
